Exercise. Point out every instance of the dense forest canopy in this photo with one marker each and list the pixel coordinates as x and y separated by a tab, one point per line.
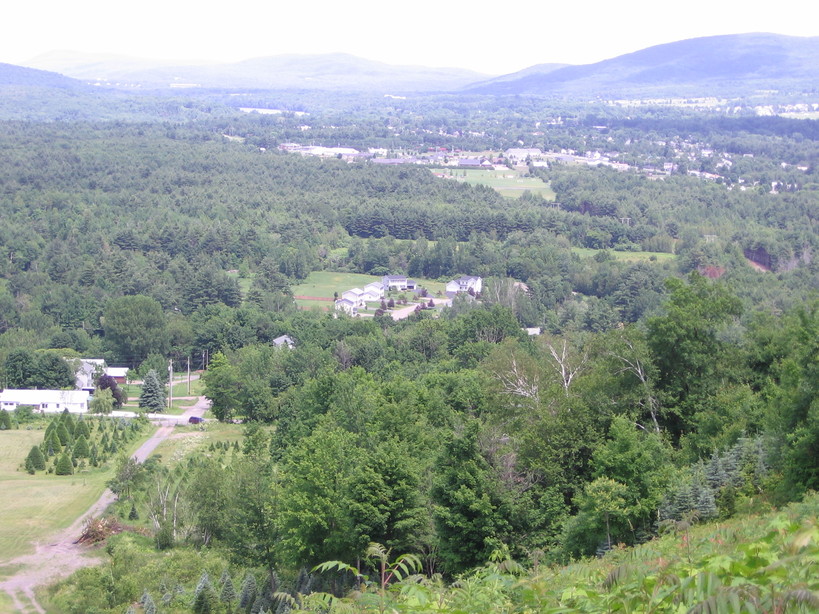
672	377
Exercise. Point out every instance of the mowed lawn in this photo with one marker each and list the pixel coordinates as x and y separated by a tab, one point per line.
322	285
35	506
585	252
507	182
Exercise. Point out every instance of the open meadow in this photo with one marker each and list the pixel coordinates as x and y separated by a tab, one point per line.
317	290
507	182
585	252
35	506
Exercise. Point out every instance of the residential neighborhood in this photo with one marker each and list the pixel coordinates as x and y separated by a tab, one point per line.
355	301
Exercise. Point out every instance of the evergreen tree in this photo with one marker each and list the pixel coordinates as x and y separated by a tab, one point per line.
204	598
62	434
228	593
68	420
248	595
152	398
37	459
82	429
5	420
148	604
64	465
80	449
51	444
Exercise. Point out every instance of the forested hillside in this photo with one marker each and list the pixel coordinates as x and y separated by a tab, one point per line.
675	379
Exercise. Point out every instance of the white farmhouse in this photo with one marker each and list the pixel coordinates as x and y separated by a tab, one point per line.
465	284
347	306
46	401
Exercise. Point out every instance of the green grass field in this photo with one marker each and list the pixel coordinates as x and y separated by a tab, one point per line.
507	182
585	252
34	506
196	439
322	284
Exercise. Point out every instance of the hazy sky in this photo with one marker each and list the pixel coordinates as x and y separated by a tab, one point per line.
489	37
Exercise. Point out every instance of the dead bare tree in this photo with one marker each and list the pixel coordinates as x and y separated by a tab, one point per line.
566	366
515	381
631	363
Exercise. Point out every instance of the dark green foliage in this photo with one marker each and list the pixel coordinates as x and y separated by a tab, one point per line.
5	420
62	434
106	382
471	515
135	328
152	398
36	458
227	594
82	428
204	599
80	448
64	466
248	594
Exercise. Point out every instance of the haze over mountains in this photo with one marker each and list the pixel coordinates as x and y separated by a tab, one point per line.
701	66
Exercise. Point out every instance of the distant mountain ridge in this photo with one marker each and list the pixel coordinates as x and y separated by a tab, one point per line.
694	66
336	71
736	63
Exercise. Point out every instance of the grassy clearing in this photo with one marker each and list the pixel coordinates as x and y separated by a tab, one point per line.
34	506
322	284
585	252
195	439
507	182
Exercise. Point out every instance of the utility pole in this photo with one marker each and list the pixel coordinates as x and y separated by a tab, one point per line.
170	383
189	376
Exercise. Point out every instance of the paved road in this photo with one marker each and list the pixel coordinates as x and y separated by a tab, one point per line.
60	555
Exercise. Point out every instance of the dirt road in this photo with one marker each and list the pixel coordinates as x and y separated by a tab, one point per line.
59	556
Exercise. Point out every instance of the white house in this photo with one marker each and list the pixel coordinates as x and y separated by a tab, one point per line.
120	374
465	284
347	306
397	282
46	401
284	341
88	368
375	288
355	295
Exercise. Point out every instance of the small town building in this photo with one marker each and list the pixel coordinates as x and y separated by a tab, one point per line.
465	284
46	401
284	341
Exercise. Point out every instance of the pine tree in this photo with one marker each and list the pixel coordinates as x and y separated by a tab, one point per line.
204	582
51	444
148	604
203	600
80	449
228	593
82	429
62	434
37	459
152	398
64	465
248	595
68	420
